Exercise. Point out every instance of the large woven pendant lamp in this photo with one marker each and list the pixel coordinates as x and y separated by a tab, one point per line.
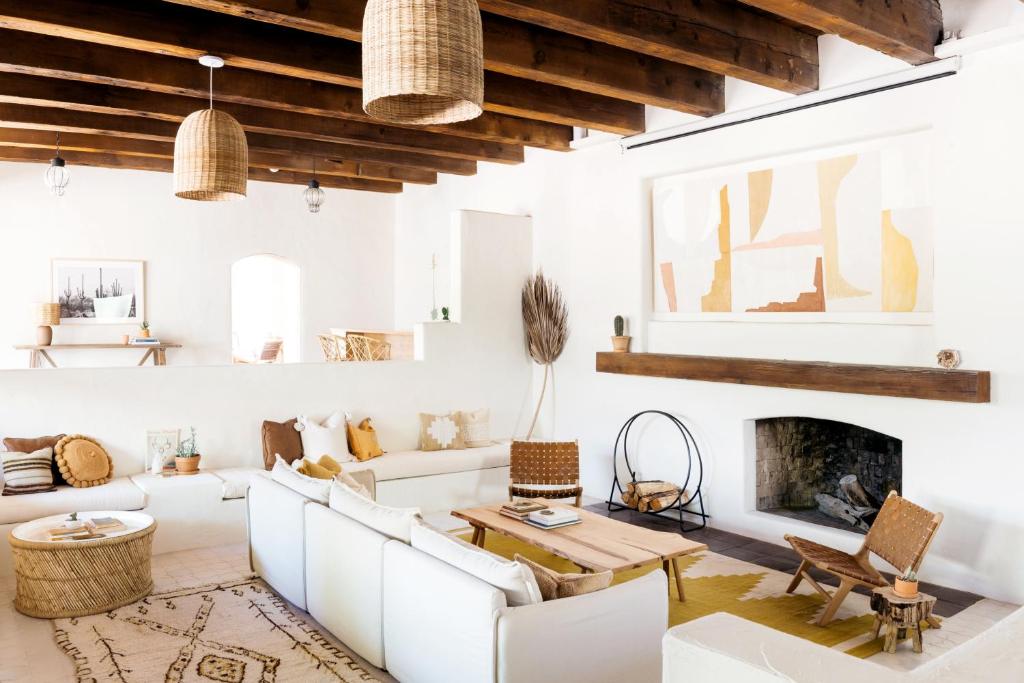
422	61
211	157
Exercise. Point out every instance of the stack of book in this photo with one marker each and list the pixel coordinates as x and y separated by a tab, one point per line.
521	509
552	518
143	341
85	530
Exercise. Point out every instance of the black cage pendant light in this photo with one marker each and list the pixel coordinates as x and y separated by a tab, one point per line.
313	195
57	174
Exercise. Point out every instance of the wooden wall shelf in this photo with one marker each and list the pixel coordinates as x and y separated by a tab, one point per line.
966	386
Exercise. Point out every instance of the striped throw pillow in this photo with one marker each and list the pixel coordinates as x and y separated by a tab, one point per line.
27	472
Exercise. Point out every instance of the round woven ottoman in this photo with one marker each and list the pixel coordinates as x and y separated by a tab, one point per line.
57	579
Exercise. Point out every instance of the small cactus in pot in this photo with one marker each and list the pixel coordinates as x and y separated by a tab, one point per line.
620	342
906	584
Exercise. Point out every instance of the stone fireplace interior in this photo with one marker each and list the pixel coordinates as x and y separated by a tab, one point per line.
831	473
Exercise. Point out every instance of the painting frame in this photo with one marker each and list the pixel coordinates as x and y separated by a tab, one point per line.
918	139
79	308
161	447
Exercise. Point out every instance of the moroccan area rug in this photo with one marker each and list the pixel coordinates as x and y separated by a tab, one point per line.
238	632
716	583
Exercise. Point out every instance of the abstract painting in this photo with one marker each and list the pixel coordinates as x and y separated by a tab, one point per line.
837	234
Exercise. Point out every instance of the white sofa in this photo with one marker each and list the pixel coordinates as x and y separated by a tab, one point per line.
425	620
727	648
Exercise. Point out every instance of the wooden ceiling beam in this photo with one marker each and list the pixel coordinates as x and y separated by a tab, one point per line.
77	96
310	102
518	49
138	163
716	35
90	142
905	29
185	32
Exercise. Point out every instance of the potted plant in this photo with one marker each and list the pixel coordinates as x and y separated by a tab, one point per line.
144	329
444	314
186	459
905	585
620	342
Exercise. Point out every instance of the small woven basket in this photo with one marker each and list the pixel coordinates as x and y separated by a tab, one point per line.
423	61
211	157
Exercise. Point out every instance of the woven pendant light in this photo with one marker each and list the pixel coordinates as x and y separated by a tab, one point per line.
211	157
423	61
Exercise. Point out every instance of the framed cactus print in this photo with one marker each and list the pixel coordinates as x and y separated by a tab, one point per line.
99	291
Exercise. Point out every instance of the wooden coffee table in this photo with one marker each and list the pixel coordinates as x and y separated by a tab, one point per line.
597	544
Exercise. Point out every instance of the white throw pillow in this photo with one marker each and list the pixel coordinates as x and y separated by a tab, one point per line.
513	578
348	480
476	427
324	438
392	522
310	487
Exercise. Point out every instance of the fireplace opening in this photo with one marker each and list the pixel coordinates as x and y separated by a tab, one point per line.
831	473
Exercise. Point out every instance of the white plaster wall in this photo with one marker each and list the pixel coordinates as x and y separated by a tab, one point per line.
590	213
344	252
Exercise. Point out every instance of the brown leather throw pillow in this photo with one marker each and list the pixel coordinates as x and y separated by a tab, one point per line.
83	462
280	438
18	445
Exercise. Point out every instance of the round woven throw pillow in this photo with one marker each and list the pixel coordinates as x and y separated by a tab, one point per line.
82	461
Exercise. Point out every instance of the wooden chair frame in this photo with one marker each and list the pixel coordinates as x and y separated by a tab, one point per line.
365	348
901	535
545	463
333	347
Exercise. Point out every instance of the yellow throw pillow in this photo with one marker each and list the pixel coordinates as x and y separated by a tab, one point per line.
82	461
362	440
329	464
311	469
554	585
441	432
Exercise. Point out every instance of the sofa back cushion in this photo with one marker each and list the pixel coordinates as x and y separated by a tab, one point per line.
27	472
310	487
392	522
512	578
280	438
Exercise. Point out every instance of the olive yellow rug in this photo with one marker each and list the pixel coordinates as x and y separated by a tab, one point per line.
237	632
716	583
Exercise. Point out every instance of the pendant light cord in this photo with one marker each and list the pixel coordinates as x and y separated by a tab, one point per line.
58	144
211	87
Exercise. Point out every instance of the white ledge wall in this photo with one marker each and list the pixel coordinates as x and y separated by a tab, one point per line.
590	210
479	362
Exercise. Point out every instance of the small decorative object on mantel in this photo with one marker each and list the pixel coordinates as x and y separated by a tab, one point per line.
161	447
186	461
47	315
906	584
948	358
620	342
444	314
144	329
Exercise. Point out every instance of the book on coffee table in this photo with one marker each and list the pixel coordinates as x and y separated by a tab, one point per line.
521	509
552	517
548	527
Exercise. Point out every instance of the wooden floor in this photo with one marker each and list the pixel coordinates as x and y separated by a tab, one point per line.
781	558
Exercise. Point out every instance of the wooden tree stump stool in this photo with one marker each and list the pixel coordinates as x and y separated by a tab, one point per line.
900	615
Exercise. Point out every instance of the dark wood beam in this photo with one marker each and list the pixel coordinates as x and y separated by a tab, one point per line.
906	29
140	163
186	32
90	142
518	49
74	95
716	35
30	54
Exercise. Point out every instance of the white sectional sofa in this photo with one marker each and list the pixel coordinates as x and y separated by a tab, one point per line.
724	647
425	620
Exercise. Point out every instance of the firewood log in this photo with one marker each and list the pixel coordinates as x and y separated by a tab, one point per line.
834	507
649	488
663	501
855	494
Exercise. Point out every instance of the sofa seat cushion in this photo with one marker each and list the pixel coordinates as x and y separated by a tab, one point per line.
409	464
236	481
117	494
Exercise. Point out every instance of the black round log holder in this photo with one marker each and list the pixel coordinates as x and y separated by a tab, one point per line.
685	504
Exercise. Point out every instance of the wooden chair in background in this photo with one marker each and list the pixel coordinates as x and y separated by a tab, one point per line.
900	535
333	347
366	348
272	352
545	469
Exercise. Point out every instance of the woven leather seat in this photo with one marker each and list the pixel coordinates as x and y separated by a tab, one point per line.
545	469
900	535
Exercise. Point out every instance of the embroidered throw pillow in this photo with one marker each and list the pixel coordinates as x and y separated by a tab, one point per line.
280	438
27	472
324	438
554	585
362	440
476	427
32	445
440	432
83	462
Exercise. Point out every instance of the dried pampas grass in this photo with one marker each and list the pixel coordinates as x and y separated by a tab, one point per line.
546	323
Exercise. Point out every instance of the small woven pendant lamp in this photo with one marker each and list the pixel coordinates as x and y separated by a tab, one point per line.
211	157
423	61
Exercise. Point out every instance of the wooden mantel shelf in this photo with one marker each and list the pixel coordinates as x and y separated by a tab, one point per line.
966	386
